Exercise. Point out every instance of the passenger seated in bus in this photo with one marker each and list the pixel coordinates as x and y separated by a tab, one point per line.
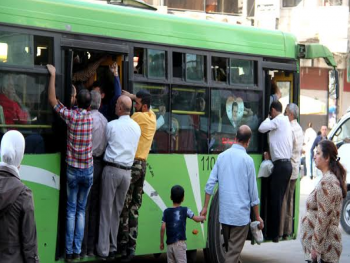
174	224
13	108
99	143
79	163
200	124
275	92
107	107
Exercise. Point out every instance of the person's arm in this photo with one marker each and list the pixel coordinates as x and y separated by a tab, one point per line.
29	243
313	147
162	231
209	187
268	125
130	95
198	218
52	91
257	216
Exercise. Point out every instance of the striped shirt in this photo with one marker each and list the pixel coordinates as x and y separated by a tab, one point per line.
79	135
298	139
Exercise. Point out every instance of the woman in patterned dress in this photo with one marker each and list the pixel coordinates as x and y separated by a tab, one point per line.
320	235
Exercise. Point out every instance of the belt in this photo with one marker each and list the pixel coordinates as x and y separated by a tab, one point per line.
282	160
139	159
98	157
118	166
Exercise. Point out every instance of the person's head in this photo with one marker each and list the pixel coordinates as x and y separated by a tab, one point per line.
97	86
95	100
12	148
326	159
8	85
244	133
73	96
292	111
123	106
234	111
177	194
84	99
200	104
143	101
275	109
323	131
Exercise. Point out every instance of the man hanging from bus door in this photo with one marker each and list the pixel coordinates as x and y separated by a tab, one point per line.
79	163
146	119
280	145
286	226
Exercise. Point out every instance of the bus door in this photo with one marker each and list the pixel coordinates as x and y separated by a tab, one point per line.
281	85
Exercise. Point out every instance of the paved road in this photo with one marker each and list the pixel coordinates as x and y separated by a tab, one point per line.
283	252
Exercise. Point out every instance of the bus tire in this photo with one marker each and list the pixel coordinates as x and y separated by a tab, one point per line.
191	255
215	252
345	214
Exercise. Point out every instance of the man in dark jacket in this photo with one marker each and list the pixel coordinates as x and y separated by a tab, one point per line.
18	241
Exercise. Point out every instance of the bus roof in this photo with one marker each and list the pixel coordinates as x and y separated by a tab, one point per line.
133	24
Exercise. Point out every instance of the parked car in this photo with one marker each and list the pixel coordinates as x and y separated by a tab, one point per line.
340	135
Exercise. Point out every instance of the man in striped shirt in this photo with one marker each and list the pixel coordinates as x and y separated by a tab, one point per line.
79	163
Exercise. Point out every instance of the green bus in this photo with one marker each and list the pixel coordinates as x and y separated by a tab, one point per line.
195	70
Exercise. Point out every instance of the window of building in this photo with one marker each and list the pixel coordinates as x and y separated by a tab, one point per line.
291	3
224	7
229	110
242	72
189	120
219	68
24	49
160	106
197	5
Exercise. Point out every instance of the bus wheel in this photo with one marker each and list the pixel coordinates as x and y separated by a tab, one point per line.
215	252
191	256
345	214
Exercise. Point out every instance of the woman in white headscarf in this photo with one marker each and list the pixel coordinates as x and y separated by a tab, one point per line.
18	241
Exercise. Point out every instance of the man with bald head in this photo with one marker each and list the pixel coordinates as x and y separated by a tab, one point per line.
122	136
234	171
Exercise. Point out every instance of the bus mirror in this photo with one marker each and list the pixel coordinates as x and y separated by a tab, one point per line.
301	51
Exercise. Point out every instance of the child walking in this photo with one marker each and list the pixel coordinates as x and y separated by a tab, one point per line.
174	222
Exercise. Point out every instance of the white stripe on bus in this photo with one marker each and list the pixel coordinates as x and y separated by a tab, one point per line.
39	176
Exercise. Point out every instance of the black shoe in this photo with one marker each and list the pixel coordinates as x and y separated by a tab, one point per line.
69	258
129	257
311	177
285	237
112	255
76	256
102	258
90	253
275	240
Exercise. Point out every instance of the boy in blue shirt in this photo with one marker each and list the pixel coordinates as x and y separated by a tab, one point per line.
174	222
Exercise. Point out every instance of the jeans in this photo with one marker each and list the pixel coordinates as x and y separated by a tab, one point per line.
79	182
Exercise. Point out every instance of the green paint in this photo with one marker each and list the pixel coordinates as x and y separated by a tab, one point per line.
136	25
319	51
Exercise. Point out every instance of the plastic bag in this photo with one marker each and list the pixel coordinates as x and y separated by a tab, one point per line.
256	232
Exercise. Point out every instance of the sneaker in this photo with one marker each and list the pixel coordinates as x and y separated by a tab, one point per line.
69	258
112	254
129	257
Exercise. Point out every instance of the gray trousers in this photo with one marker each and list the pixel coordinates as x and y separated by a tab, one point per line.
114	186
234	238
176	252
286	226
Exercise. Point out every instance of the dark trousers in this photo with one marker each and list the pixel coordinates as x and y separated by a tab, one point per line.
279	180
234	238
92	210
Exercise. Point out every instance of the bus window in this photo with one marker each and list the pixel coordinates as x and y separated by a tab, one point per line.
229	110
24	49
242	72
195	65
177	65
138	61
219	69
189	120
24	107
160	106
156	61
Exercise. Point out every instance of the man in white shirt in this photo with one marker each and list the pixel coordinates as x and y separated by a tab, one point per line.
286	226
123	137
281	145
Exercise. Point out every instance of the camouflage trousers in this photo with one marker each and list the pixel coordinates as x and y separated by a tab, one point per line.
128	229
